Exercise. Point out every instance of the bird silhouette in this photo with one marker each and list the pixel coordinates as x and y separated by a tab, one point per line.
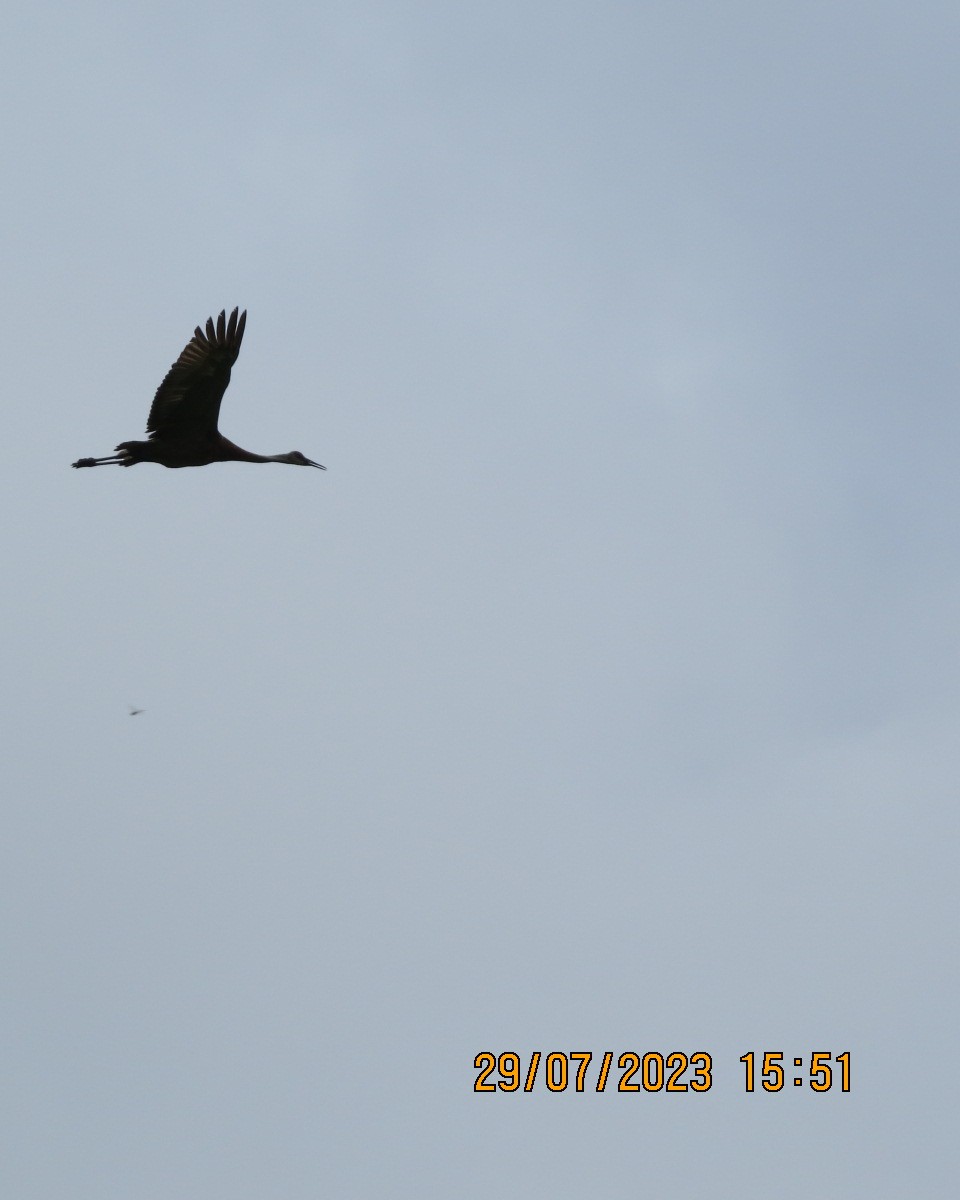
183	417
135	712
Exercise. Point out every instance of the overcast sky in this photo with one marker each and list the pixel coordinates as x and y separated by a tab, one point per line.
602	695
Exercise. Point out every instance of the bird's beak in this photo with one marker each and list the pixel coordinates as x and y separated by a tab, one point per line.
311	463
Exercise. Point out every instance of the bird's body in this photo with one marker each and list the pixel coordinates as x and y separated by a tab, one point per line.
183	417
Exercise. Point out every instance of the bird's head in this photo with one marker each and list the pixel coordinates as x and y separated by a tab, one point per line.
299	460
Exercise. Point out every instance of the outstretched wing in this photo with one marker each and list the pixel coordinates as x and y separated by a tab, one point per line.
188	400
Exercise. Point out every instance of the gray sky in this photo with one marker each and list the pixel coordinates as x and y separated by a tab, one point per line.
602	695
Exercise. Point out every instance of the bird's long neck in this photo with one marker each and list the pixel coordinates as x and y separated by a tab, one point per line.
235	453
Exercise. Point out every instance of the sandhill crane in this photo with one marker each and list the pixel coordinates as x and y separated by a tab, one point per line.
183	417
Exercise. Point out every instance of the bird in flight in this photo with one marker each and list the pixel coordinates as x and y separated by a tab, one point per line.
183	417
135	712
